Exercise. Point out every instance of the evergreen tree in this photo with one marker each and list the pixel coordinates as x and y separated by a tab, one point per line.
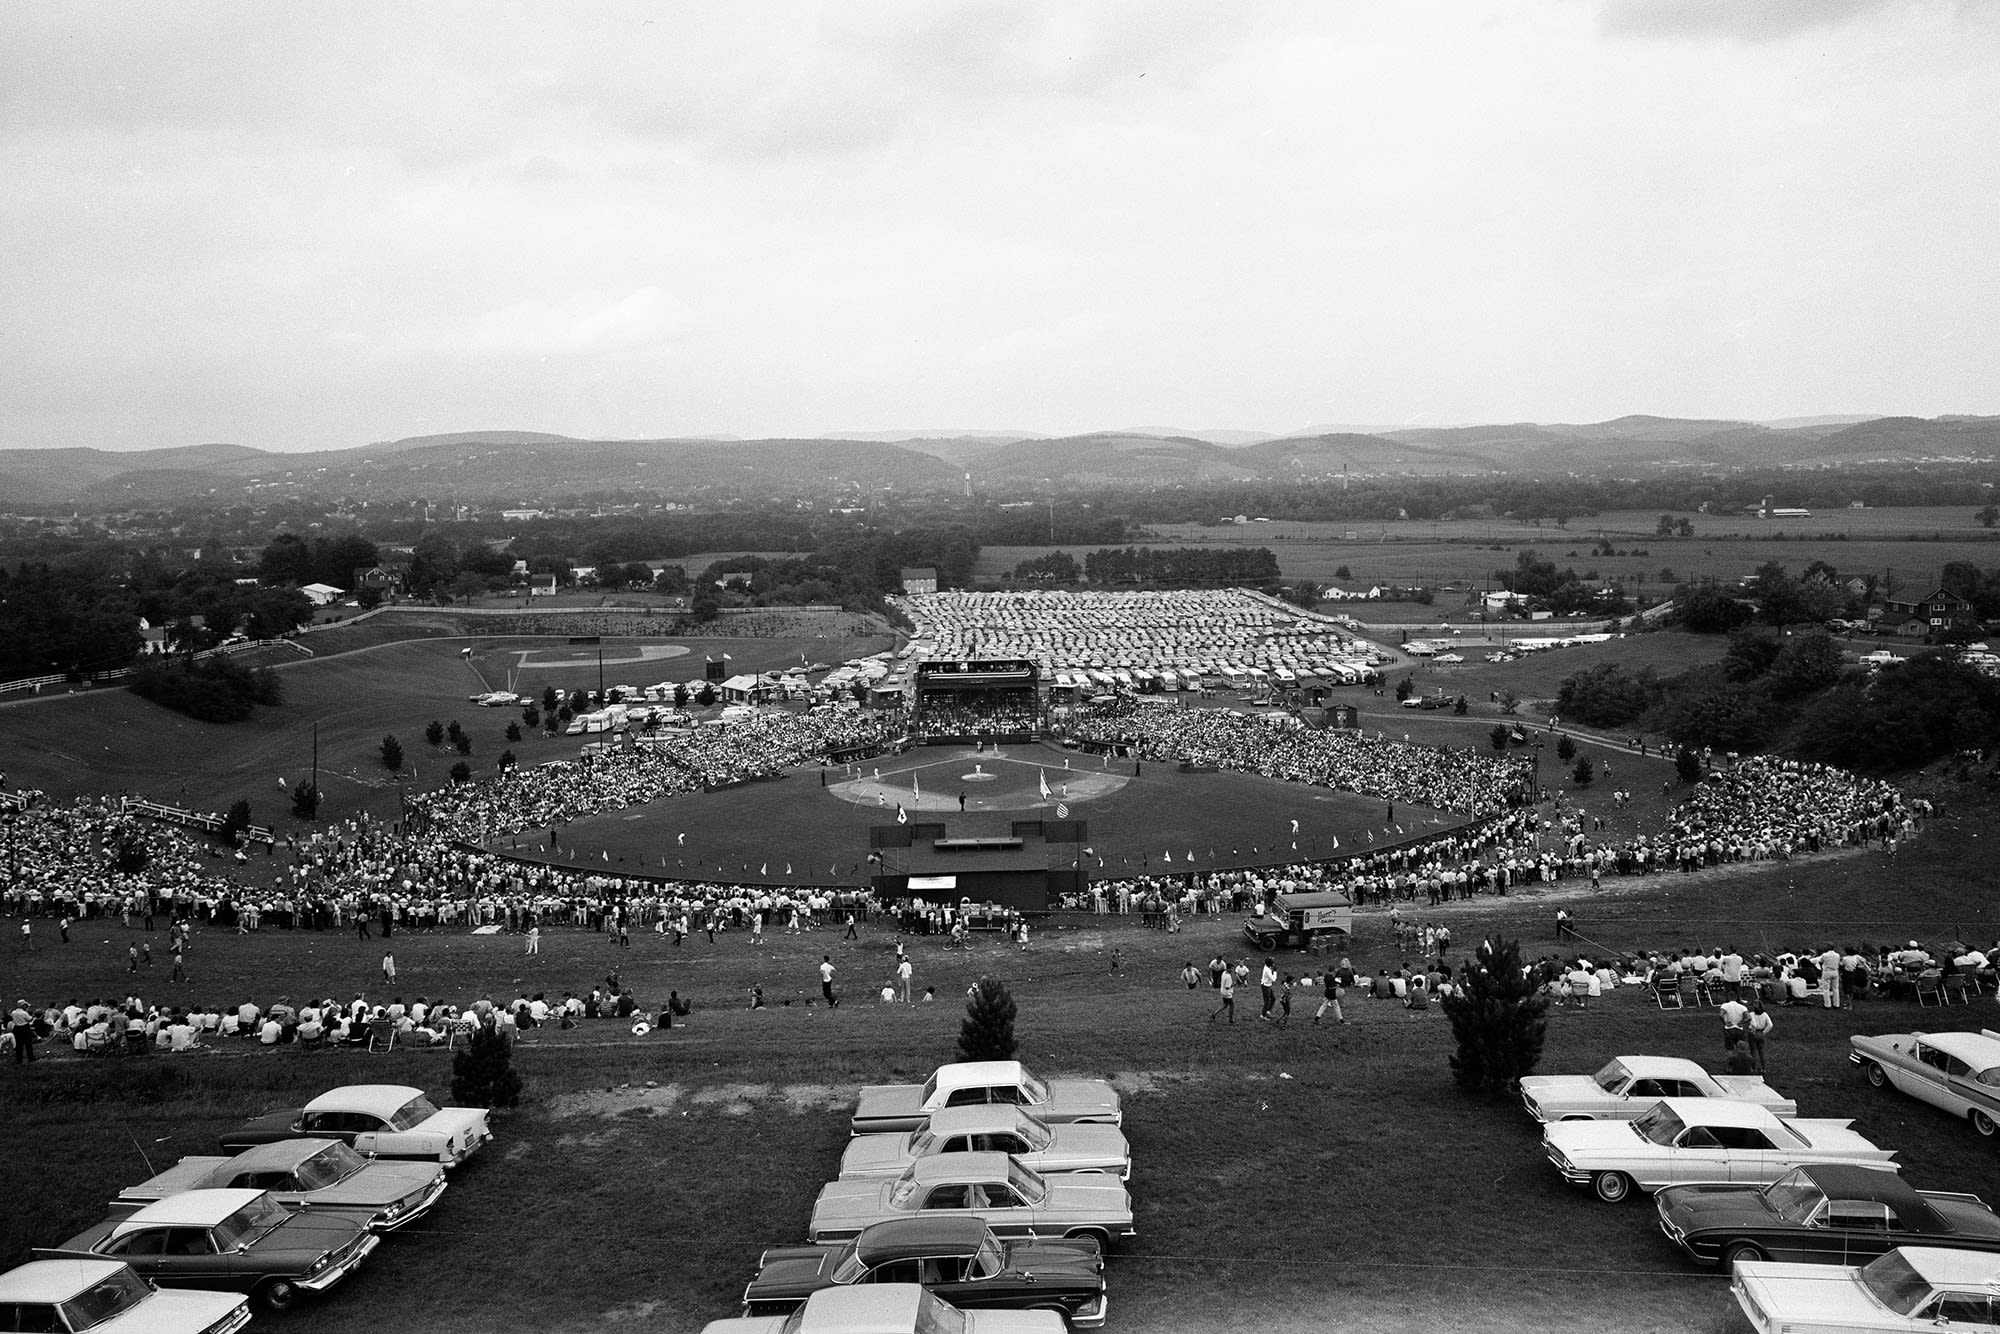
513	731
434	732
988	1031
1584	773
238	820
482	1072
1566	749
1498	736
1499	1020
507	760
1688	765
461	772
1459	707
392	753
305	801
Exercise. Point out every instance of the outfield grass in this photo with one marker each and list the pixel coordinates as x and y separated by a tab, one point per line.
1282	1179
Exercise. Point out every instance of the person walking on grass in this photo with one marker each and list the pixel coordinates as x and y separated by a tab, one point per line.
1332	992
1758	1028
388	966
1285	1002
826	980
1227	991
535	939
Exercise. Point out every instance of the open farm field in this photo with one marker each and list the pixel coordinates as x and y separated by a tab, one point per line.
1286	1179
108	740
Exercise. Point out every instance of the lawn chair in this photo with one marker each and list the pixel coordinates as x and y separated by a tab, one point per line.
1667	993
1955	990
381	1035
1704	994
1690	989
1929	990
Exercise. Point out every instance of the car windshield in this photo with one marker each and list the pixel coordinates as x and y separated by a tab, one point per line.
1659	1125
930	1091
935	1317
413	1113
989	1261
330	1166
847	1266
922	1142
1611	1078
1026	1184
253	1220
1892	1282
115	1293
1035	1134
1794	1197
1037	1091
901	1193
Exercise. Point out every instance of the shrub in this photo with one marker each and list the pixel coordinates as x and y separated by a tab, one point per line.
305	801
1688	765
392	753
1566	749
507	760
482	1072
216	691
1585	773
434	732
1499	1021
1607	695
1498	736
513	731
236	821
1405	688
461	772
1459	707
988	1031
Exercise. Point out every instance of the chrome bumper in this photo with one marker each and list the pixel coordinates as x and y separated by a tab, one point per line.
332	1274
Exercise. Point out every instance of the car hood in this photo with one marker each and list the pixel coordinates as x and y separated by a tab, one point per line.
1725	1207
1592	1138
1093	1144
851	1199
1097	1192
875	1155
171	1309
308	1232
1071	1098
1792	1294
793	1269
377	1185
890	1100
1054	1257
1563	1090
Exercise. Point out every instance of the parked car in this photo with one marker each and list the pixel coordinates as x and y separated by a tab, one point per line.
888	1107
110	1297
1824	1213
1927	1288
323	1175
887	1308
1301	919
992	1128
1683	1140
957	1258
1629	1085
1012	1200
377	1121
239	1240
1959	1072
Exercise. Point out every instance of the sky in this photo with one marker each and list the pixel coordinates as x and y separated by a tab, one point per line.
306	226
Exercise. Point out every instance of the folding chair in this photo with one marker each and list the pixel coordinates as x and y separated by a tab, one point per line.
382	1034
1929	992
1667	994
1703	993
1955	990
1690	990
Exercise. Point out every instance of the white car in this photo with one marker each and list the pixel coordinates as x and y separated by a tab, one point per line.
1684	1140
110	1297
1927	1288
1629	1085
1449	657
992	1128
888	1308
378	1121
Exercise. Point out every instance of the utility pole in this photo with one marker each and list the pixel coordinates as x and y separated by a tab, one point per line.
600	676
315	777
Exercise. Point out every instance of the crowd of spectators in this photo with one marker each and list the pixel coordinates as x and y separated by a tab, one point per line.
974	713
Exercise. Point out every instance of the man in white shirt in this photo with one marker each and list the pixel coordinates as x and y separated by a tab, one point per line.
1829	977
1732	973
1735	1015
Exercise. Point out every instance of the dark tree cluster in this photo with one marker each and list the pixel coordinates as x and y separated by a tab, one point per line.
214	691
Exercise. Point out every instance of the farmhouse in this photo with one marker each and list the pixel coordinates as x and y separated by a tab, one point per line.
1933	616
920	579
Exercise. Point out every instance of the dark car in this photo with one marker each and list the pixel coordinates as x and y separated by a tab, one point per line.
232	1240
1830	1213
376	1121
958	1258
323	1175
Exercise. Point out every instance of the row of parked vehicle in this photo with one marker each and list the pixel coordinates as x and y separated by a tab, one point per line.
298	1201
1742	1181
984	1197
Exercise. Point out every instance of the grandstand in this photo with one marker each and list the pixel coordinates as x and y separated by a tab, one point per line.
963	701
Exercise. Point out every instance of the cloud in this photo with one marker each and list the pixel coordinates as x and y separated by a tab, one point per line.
640	319
1738	20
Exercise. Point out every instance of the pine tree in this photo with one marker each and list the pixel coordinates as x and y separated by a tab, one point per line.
482	1072
1566	749
1688	765
1584	773
392	753
1500	1020
988	1031
305	801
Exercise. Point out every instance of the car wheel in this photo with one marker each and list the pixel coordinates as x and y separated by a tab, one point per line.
1740	1250
1877	1075
279	1294
1984	1124
1611	1187
1098	1235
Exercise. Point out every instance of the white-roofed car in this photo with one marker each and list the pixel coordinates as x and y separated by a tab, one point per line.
319	1174
1680	1141
110	1297
376	1121
992	1128
1628	1085
238	1240
890	1107
1007	1197
1959	1072
888	1308
1911	1288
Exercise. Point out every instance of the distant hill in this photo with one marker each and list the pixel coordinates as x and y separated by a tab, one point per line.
1109	457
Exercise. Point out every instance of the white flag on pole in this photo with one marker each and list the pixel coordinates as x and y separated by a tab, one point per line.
902	816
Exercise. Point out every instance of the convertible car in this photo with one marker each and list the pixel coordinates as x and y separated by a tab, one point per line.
323	1175
957	1258
1683	1140
992	1128
1827	1213
108	1297
1628	1085
1959	1072
377	1121
1007	1197
887	1308
885	1108
1913	1288
239	1240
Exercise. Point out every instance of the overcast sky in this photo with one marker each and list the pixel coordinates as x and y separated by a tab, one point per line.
306	226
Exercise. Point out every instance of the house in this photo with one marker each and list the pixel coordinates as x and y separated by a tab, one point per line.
322	595
1933	616
746	689
920	579
379	578
152	642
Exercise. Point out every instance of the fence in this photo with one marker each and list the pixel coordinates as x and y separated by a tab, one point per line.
207	824
35	683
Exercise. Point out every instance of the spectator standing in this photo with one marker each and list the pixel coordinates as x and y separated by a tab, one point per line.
825	977
1735	1017
1227	989
1267	982
1335	990
903	971
535	939
1759	1028
22	1021
388	966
